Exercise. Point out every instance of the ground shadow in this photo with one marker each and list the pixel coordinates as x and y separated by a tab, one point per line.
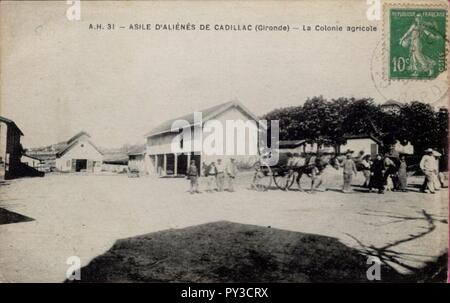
230	252
390	256
8	217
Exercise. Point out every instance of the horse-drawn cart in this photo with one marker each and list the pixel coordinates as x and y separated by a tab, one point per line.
288	169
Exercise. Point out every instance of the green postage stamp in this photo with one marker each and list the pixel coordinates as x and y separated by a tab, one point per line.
417	43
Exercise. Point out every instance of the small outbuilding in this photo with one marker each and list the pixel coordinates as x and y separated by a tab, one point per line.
364	144
136	159
78	154
10	149
31	161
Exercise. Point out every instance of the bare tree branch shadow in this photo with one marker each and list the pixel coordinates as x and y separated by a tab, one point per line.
387	255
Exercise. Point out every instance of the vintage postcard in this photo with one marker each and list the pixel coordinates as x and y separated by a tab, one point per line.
224	141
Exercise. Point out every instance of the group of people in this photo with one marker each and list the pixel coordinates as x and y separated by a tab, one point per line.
215	175
383	173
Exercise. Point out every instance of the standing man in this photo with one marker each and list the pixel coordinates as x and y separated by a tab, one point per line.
428	167
377	175
320	162
390	171
403	174
193	174
349	169
211	176
220	169
436	177
365	168
232	171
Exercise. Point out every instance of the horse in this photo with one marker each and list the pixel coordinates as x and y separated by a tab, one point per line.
291	167
313	168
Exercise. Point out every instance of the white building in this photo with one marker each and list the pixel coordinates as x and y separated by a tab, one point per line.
407	149
366	144
31	161
161	159
79	154
74	155
392	107
136	159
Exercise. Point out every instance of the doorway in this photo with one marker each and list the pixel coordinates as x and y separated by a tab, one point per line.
79	164
182	164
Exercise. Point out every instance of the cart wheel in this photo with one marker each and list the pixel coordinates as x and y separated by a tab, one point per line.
265	181
291	179
284	180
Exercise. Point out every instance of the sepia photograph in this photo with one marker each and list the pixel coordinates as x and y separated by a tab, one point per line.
224	142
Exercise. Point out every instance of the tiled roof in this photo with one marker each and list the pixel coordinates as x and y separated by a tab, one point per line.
10	122
137	150
392	102
58	149
291	143
207	114
364	136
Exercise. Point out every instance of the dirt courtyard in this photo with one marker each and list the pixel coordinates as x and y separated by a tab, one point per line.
84	215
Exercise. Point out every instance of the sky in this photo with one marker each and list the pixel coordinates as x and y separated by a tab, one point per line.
58	77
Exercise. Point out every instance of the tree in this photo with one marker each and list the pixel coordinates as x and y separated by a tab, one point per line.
420	126
442	130
328	122
360	116
317	114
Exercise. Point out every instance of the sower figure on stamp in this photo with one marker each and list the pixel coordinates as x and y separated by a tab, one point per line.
220	169
193	174
232	171
412	39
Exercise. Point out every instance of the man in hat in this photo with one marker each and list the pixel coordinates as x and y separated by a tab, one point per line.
231	170
193	174
438	183
220	170
349	169
428	167
365	165
211	176
390	171
320	163
377	175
